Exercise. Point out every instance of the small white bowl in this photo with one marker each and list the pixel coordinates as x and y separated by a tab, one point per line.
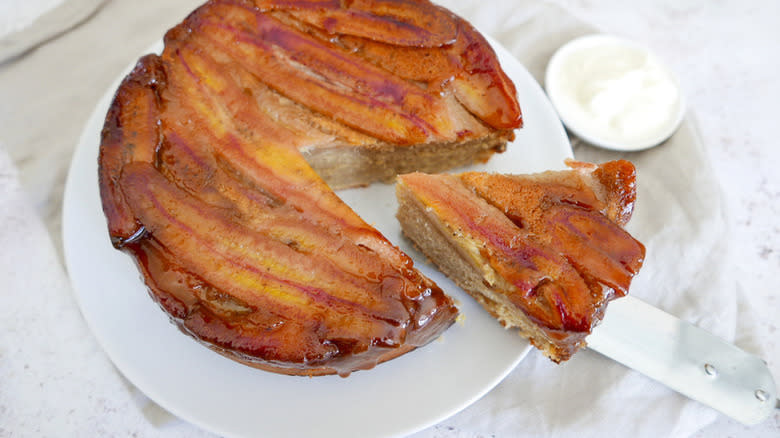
586	123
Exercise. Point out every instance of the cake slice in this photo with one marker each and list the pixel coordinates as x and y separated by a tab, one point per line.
543	253
219	156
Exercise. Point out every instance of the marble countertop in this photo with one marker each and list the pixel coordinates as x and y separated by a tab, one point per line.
723	52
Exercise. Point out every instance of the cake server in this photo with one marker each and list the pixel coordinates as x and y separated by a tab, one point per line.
687	359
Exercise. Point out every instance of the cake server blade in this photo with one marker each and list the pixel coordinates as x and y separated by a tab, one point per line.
687	359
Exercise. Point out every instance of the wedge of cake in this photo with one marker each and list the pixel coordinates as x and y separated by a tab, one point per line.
216	157
543	253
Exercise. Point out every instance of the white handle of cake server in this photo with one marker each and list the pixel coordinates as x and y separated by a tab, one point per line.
687	359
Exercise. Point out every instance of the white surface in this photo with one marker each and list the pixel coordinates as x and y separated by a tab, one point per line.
15	15
56	381
614	93
26	25
233	399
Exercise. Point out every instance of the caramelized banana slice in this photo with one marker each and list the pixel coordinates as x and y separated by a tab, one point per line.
424	64
400	22
130	133
481	85
568	216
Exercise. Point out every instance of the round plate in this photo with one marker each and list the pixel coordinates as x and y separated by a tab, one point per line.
399	397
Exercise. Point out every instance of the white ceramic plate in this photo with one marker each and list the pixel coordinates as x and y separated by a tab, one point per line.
399	397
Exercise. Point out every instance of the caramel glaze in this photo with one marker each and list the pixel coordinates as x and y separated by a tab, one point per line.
556	238
238	239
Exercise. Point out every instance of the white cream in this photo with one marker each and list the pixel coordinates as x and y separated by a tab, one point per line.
614	93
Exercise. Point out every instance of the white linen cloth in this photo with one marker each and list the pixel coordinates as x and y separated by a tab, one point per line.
16	15
55	380
25	24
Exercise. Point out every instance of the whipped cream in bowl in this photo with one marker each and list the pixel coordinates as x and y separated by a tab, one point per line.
614	93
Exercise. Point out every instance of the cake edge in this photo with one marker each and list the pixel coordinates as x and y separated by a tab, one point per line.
355	166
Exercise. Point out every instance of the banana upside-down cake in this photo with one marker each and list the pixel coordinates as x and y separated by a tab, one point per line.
217	156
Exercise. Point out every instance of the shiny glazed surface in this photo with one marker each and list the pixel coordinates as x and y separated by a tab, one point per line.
239	240
555	238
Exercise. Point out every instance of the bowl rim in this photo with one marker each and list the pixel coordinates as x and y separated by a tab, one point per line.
553	89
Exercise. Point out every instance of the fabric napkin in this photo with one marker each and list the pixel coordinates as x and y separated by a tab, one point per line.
55	380
24	24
